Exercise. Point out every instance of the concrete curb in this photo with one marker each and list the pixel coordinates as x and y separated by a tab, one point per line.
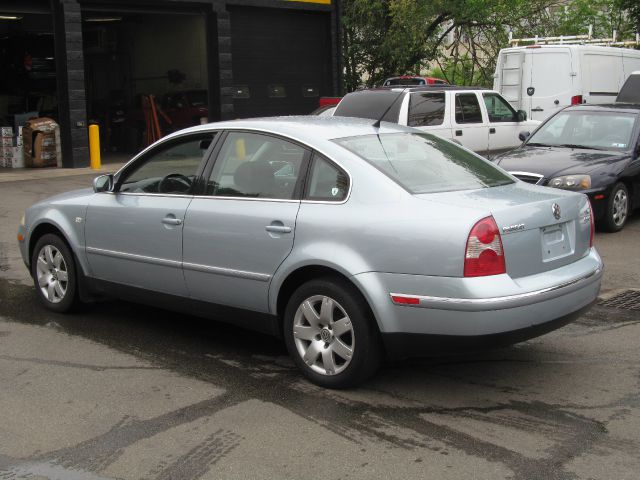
22	174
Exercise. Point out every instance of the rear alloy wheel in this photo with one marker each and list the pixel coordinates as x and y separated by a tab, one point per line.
53	272
617	208
329	333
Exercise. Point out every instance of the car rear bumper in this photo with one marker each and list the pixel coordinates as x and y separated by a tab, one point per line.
399	346
482	306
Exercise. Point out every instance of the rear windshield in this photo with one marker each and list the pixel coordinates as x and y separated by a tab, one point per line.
404	81
371	104
423	163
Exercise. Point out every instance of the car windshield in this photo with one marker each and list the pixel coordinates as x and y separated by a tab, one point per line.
423	163
586	129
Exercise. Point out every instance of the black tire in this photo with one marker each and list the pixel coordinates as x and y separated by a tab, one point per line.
69	300
614	220
363	336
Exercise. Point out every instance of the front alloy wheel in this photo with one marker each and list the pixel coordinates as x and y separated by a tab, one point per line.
52	275
53	270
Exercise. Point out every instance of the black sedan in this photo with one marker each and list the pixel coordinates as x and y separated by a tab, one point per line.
594	149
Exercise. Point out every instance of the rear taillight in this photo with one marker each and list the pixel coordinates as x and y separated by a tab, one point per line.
576	100
593	225
484	255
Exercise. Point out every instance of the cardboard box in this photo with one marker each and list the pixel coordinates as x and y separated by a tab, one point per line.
15	159
6	132
6	141
19	137
39	138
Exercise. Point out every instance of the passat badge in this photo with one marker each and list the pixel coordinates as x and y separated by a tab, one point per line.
513	228
555	208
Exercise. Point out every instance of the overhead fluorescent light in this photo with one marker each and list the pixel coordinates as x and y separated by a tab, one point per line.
10	17
103	19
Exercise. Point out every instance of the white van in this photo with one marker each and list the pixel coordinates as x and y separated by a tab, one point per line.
542	79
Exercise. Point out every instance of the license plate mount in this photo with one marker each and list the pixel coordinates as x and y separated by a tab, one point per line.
556	241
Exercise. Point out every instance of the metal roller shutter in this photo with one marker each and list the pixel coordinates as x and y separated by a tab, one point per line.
281	60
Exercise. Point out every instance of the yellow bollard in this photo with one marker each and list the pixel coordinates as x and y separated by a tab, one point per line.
94	146
241	149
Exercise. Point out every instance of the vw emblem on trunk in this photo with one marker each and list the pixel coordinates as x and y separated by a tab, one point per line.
555	208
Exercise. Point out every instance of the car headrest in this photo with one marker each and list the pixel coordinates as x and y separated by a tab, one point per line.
254	178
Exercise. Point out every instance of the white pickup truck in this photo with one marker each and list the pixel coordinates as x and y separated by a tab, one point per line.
479	119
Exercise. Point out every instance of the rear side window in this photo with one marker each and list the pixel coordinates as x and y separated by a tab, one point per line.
426	109
326	181
253	165
468	108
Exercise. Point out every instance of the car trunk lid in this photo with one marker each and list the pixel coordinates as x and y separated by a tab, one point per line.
541	228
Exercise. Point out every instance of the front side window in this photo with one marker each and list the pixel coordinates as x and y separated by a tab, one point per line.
423	163
467	108
426	109
587	129
498	108
168	169
326	181
253	165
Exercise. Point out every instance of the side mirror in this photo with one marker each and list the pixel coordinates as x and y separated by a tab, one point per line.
521	116
103	183
524	135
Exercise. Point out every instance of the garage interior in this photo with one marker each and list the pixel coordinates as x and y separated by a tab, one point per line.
28	80
129	56
92	61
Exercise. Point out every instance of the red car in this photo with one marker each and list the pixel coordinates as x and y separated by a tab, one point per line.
185	108
413	80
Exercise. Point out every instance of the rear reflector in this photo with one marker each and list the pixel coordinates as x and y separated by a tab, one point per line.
576	100
403	300
484	255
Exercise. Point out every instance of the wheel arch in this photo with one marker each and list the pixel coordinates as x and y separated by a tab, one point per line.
45	227
305	273
42	229
629	183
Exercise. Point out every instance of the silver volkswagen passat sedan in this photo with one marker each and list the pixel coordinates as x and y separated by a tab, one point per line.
352	241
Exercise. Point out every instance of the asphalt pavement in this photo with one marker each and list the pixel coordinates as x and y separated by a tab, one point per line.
122	391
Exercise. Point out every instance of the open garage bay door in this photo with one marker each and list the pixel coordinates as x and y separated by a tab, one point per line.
281	60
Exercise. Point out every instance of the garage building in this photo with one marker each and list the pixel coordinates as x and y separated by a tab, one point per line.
96	61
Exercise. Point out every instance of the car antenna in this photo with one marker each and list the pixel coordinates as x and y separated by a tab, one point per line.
377	124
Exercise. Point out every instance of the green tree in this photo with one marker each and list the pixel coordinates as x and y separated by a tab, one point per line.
382	38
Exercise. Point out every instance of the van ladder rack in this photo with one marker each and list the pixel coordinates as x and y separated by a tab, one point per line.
574	40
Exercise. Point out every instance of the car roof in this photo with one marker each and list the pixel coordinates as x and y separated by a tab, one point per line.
419	88
308	128
607	107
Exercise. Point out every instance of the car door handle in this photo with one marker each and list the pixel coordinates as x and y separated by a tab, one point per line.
537	109
492	130
172	221
278	229
458	133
